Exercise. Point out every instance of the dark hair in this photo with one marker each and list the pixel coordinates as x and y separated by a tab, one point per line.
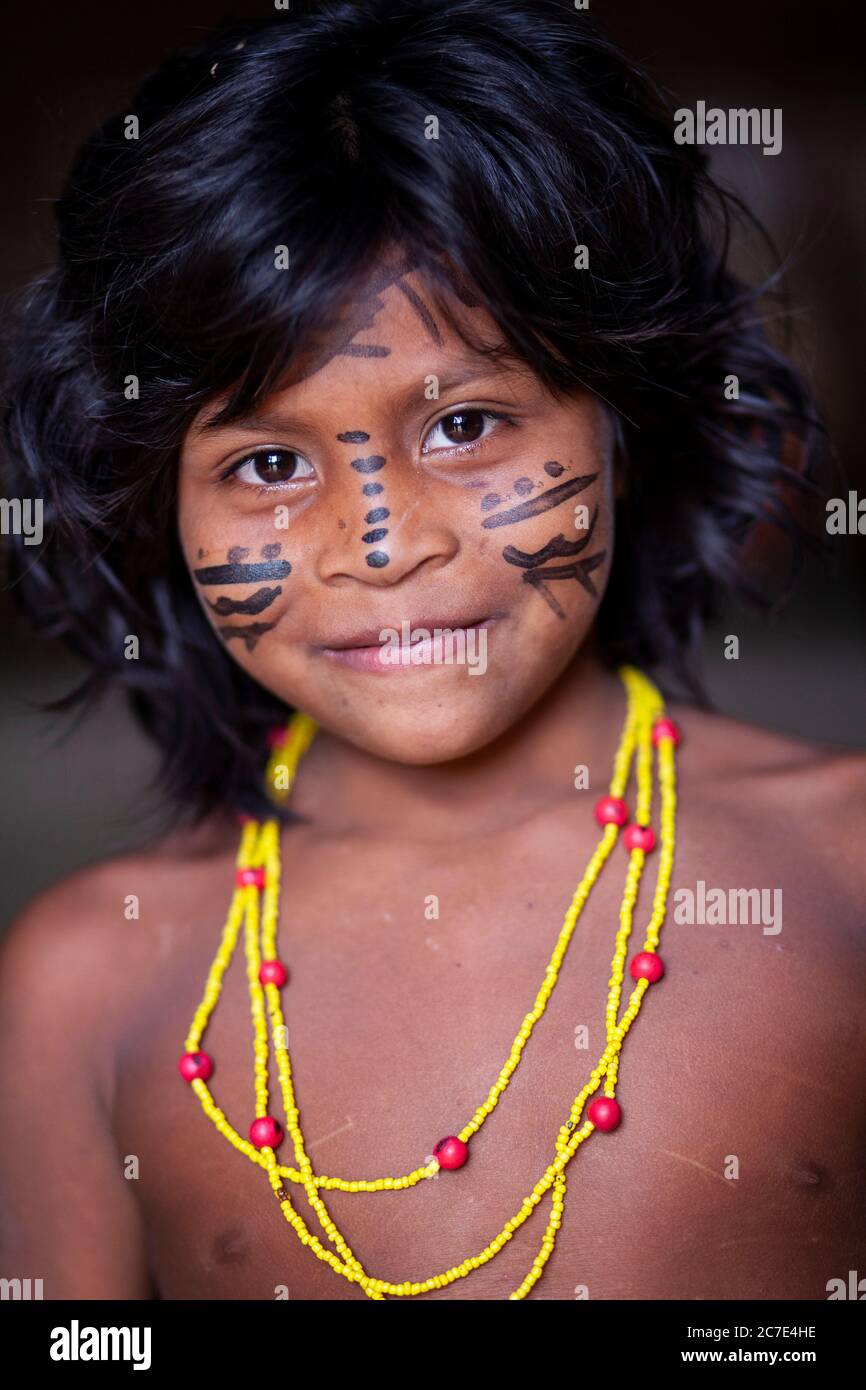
310	130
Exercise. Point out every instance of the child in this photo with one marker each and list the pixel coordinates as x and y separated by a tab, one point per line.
382	378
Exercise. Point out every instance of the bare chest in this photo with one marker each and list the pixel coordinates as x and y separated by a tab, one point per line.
410	977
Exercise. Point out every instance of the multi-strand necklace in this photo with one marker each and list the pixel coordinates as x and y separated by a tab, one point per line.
255	907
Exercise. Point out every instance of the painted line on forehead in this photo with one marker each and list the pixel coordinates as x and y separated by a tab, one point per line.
249	633
256	603
543	503
362	318
368	465
353	437
364	350
243	574
422	311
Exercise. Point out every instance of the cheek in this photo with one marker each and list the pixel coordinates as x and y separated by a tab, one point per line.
241	571
553	528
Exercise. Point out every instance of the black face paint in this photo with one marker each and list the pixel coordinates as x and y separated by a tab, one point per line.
270	552
238	552
422	311
249	633
256	603
243	574
490	501
353	437
368	465
538	573
377	514
363	317
371	489
543	503
553	468
377	559
523	485
369	537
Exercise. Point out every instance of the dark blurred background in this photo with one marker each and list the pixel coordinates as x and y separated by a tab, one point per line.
76	789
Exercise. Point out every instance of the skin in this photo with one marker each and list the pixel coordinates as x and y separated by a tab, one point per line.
428	781
442	556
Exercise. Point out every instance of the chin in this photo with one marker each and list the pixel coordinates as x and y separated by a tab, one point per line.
440	736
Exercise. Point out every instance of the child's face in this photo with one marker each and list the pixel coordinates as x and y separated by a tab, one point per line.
363	500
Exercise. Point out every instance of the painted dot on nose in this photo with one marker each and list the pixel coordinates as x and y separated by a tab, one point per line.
379	534
368	465
371	489
377	559
377	514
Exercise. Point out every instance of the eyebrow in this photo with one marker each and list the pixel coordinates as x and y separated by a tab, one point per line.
463	374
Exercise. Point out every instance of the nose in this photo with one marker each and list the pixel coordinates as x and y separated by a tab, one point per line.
395	523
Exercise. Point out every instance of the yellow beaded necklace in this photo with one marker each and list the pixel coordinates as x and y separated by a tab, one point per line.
255	905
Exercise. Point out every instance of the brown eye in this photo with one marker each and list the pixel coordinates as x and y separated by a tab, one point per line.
463	427
272	466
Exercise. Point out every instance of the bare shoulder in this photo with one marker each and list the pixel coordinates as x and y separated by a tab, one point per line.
802	802
75	966
82	946
770	859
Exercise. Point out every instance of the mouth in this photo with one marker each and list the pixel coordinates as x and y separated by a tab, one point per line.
407	646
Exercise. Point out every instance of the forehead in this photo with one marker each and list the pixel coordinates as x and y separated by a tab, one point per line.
395	329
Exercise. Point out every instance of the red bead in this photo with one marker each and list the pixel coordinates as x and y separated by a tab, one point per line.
451	1152
246	878
604	1113
195	1066
639	837
647	966
266	1133
273	972
611	810
276	738
665	728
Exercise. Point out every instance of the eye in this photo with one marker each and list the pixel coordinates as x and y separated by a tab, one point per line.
271	467
461	427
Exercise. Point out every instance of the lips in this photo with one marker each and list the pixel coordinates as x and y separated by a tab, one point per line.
371	637
365	651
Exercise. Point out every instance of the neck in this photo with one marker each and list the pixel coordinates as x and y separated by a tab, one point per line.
578	720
